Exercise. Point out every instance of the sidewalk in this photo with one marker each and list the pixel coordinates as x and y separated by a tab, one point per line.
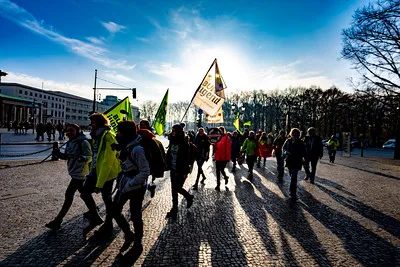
350	217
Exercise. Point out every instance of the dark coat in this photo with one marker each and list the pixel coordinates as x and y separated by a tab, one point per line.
202	143
314	147
294	152
183	158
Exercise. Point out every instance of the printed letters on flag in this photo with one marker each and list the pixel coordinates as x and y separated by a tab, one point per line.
208	96
159	122
217	118
114	114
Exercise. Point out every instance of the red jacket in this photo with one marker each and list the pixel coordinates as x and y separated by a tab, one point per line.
223	149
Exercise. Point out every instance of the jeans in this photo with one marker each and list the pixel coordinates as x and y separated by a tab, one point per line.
280	164
74	185
313	160
220	167
293	182
200	163
135	198
177	181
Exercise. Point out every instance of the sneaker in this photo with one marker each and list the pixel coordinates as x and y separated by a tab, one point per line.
217	188
226	180
128	241
189	201
54	224
152	189
173	213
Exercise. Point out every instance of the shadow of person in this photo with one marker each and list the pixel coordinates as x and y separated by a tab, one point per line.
206	235
368	248
388	223
66	246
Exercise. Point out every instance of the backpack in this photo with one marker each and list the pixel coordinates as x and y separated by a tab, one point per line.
155	155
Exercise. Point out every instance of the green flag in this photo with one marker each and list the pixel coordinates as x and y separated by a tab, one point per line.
159	122
247	123
236	122
119	112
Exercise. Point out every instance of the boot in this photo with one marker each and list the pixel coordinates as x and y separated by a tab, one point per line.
129	238
189	201
54	224
173	213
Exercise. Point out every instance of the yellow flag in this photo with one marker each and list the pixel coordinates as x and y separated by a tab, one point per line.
119	112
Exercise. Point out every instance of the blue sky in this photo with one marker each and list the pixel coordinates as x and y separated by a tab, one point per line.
155	45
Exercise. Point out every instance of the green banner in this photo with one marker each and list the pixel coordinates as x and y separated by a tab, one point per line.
247	123
119	112
161	115
236	122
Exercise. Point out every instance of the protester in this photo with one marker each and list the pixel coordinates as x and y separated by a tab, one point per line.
333	145
155	148
249	147
264	148
202	144
78	155
294	152
314	152
131	184
278	144
235	149
222	156
178	162
105	168
60	130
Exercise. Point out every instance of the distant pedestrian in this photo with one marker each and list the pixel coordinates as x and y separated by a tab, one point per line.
235	149
131	185
249	147
333	145
60	130
178	162
105	168
78	154
278	144
294	151
222	156
40	130
49	131
264	148
314	152
202	143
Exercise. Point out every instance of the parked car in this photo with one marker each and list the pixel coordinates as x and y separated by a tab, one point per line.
389	144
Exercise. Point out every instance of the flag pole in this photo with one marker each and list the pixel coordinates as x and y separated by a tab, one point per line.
158	110
215	60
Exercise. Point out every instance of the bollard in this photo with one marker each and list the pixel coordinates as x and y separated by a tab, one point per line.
55	152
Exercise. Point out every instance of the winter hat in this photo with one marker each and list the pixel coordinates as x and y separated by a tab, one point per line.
74	125
127	128
178	128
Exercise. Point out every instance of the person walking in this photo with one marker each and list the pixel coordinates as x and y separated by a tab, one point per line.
314	152
105	169
202	144
235	149
178	162
249	147
264	148
222	156
78	154
294	152
278	144
132	182
333	145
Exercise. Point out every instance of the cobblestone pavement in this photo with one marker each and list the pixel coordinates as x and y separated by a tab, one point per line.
350	217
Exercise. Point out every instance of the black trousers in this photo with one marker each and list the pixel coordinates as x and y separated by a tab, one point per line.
86	194
135	198
250	160
177	181
74	185
332	155
220	167
280	164
200	163
293	181
313	161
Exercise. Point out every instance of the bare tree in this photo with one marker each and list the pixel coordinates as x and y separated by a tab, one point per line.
148	110
372	44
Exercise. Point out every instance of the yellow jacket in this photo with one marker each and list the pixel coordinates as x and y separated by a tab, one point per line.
107	163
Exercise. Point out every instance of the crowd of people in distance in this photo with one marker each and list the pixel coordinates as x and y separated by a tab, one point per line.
129	157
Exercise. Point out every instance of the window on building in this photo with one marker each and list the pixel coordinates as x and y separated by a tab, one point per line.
52	105
62	114
20	91
67	117
51	113
73	117
40	95
52	98
35	94
26	93
67	109
30	94
79	118
74	110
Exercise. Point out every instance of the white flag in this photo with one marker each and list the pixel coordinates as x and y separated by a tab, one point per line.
210	97
217	118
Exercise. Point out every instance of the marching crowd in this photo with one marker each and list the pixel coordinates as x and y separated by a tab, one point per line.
129	157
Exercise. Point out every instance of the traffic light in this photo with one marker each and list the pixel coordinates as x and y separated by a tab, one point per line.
198	123
134	93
